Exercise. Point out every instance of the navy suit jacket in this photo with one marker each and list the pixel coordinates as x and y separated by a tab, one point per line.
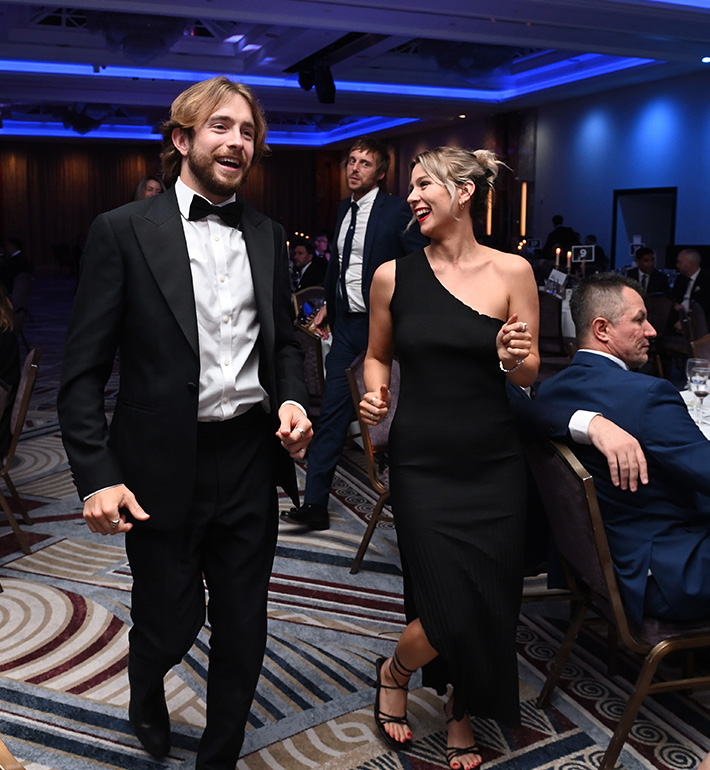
664	526
135	295
386	238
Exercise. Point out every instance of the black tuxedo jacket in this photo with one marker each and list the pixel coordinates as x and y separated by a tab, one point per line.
657	282
386	238
314	274
135	296
700	292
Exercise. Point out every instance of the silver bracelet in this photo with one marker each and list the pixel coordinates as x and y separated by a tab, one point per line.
514	369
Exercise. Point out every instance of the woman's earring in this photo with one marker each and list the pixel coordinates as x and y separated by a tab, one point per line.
461	205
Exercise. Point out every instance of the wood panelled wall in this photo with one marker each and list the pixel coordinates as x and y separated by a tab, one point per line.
50	191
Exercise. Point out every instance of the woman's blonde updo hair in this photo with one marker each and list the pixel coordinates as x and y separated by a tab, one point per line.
454	166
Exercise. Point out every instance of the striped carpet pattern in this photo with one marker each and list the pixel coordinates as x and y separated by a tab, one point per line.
65	615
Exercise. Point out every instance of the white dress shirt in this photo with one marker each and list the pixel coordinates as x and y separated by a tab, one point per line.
227	320
353	276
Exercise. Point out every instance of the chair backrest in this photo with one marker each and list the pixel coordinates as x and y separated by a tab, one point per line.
312	365
550	336
572	509
698	321
375	438
22	400
658	308
313	294
701	347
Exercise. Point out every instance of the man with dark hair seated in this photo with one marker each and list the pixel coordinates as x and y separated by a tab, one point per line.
659	537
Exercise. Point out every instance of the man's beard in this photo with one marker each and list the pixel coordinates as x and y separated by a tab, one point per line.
202	168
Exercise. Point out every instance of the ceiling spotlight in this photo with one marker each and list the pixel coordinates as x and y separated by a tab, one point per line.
318	75
705	60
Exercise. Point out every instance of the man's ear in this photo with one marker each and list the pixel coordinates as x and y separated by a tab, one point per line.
600	329
181	142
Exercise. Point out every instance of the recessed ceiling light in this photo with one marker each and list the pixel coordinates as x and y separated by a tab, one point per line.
705	60
462	116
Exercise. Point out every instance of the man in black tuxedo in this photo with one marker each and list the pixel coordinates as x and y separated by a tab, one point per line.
652	281
371	228
192	287
693	283
309	270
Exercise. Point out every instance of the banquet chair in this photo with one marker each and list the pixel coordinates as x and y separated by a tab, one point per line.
315	295
7	760
701	347
313	373
375	440
17	422
571	505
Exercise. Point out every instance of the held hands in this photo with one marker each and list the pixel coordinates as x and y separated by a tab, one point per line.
295	431
375	405
513	342
101	510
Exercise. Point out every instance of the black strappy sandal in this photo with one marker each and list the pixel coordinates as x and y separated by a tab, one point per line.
381	718
454	753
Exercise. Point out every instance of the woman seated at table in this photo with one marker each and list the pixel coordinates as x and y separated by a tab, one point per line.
461	318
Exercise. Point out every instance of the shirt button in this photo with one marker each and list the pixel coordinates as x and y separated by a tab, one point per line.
226	362
226	319
223	278
215	237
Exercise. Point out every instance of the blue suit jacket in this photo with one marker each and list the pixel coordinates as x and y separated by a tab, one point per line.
386	238
664	526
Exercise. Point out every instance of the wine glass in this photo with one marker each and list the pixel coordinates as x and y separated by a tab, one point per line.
691	364
699	385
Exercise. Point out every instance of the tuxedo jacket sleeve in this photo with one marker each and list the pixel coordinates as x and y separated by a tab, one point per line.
135	297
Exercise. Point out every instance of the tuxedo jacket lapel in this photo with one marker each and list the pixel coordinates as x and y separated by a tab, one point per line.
162	241
259	240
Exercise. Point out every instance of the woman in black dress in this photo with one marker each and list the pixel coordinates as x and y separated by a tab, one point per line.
461	318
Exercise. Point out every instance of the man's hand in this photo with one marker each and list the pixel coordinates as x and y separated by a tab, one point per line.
101	511
320	324
627	462
295	431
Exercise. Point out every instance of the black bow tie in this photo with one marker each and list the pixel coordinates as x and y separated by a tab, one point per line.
230	214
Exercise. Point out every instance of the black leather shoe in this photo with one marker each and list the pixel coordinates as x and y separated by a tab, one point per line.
151	724
311	516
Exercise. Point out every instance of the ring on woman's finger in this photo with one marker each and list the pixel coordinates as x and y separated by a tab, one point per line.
115	523
525	326
301	431
372	400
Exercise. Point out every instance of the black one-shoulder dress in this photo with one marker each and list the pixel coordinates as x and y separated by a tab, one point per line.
458	492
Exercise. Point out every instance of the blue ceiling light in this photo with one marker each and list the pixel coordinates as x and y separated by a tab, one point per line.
531	80
705	60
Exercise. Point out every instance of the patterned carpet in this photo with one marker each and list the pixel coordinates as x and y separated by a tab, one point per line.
63	643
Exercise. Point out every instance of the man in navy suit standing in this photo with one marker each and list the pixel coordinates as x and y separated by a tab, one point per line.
659	536
192	287
371	229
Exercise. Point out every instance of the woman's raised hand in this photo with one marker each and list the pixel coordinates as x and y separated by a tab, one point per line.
513	341
375	405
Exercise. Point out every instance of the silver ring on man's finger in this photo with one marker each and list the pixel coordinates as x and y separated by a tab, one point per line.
302	432
115	523
372	400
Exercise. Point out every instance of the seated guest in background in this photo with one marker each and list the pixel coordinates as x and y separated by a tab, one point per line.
308	270
9	370
693	283
13	263
659	537
322	245
148	187
561	237
652	281
601	261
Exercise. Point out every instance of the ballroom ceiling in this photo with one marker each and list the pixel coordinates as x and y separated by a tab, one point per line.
326	71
